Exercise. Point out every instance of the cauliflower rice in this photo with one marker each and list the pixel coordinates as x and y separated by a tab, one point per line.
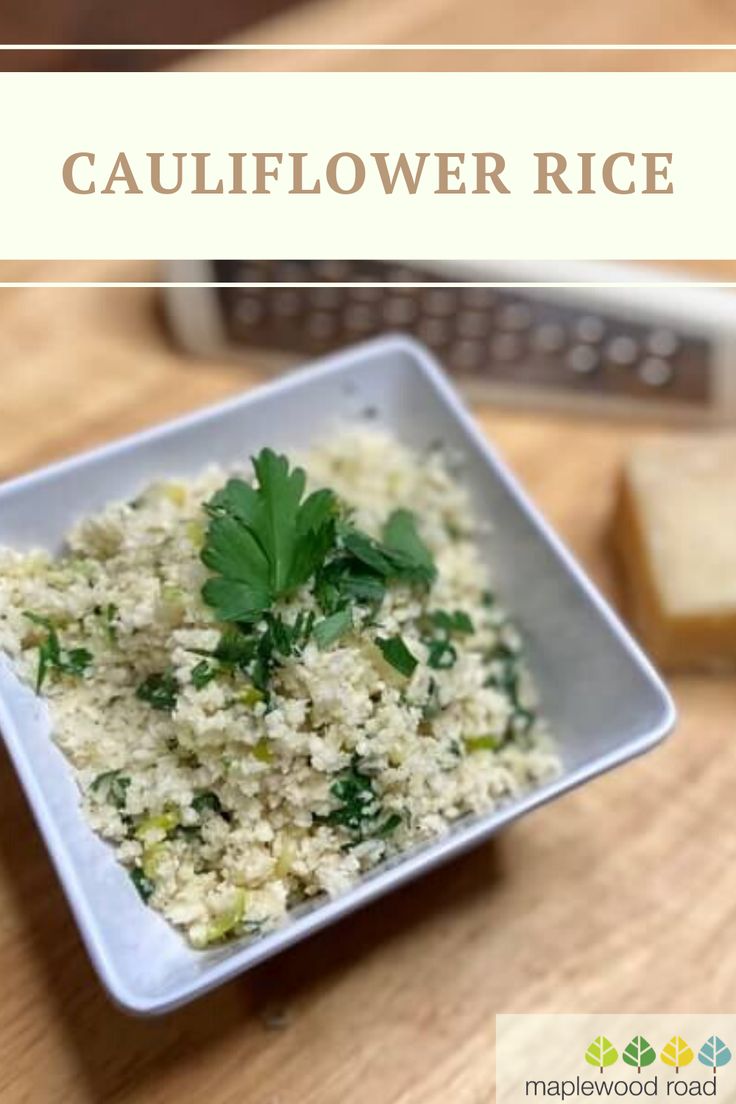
230	798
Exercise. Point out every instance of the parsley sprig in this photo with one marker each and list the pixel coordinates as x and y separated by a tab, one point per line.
264	541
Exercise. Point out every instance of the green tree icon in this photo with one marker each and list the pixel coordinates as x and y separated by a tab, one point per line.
677	1053
714	1052
639	1052
601	1053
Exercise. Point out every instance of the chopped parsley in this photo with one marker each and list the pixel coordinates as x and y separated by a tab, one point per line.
160	690
203	674
505	673
441	655
390	824
112	786
331	628
441	625
287	638
457	622
396	653
359	810
345	580
207	800
52	657
143	884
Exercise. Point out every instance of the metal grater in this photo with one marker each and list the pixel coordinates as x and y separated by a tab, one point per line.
561	346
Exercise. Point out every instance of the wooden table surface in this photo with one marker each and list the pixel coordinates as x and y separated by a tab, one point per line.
616	898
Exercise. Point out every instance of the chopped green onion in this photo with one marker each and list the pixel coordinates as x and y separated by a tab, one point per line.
482	743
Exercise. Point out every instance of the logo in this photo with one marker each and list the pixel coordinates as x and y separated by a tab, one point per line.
615	1058
640	1053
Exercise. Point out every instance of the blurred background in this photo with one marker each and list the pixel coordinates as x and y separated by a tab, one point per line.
138	21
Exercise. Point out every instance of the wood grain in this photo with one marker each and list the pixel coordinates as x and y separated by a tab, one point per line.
615	898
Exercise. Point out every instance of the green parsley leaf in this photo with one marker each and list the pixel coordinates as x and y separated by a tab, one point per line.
331	628
287	638
264	541
203	674
400	535
397	654
160	691
231	550
112	786
442	655
358	802
75	662
402	555
207	800
315	525
457	622
236	499
235	649
280	492
370	552
390	824
52	657
235	600
143	884
359	810
255	651
344	580
505	673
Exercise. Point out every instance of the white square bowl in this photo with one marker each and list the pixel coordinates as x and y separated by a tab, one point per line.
604	701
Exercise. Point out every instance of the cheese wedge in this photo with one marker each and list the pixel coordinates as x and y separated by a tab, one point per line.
675	530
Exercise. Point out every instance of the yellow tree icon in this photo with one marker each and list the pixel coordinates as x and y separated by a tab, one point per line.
677	1053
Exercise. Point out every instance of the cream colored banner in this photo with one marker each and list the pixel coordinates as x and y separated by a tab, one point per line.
344	132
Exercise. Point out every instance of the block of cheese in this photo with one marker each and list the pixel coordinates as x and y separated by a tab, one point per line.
675	530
